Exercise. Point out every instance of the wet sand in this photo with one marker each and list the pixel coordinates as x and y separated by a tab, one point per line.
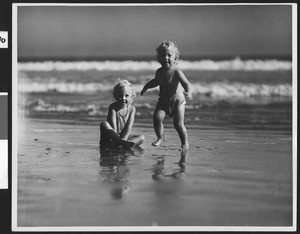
229	178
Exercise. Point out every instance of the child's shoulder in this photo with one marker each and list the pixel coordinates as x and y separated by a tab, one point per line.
161	70
114	105
131	107
178	71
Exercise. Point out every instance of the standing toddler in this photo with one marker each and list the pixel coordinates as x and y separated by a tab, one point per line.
173	88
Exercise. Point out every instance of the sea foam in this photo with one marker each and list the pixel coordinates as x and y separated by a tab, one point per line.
215	89
234	64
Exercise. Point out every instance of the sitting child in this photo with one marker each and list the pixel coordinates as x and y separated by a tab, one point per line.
115	131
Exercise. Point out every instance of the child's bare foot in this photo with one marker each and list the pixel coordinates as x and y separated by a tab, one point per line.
157	142
138	140
128	144
134	142
184	154
184	147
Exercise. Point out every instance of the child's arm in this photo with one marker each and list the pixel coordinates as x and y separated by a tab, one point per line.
111	118
127	129
185	84
151	84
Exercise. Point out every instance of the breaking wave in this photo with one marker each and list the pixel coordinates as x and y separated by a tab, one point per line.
40	105
215	89
234	64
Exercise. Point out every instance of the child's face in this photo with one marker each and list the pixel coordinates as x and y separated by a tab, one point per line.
124	97
167	58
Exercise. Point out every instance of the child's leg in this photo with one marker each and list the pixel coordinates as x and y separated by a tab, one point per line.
178	121
158	118
108	132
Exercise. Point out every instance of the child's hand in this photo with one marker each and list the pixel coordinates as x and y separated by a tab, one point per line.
143	91
188	95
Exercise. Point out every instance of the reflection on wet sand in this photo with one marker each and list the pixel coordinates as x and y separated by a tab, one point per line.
113	164
159	169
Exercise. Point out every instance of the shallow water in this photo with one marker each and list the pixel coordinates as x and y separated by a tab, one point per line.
248	91
228	178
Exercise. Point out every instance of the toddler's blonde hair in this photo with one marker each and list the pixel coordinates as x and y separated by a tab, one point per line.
165	45
120	86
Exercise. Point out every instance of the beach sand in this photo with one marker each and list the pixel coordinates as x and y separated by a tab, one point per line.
229	177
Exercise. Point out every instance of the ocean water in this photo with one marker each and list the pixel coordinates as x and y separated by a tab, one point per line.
254	92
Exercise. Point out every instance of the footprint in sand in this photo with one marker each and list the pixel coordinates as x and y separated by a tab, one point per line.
48	151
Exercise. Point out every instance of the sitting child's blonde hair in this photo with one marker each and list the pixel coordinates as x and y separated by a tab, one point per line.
120	86
165	45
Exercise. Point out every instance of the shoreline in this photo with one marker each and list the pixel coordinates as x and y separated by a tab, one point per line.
95	121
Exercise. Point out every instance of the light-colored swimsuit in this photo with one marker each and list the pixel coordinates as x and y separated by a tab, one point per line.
170	93
121	120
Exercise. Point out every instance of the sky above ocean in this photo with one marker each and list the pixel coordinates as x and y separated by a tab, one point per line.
135	30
